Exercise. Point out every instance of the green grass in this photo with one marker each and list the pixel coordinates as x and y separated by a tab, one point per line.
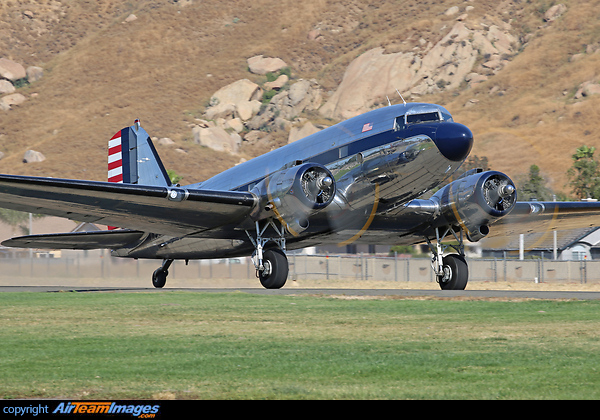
242	346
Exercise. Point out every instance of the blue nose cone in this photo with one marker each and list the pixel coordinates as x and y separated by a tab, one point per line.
454	141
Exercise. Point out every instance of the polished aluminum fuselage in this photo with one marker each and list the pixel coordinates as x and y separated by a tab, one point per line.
378	167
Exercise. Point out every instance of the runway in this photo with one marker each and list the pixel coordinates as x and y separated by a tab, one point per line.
499	294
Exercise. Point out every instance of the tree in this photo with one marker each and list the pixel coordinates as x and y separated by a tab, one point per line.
475	161
585	173
174	177
472	162
17	219
534	188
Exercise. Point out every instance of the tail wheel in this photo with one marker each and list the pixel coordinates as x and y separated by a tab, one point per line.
455	273
159	278
275	270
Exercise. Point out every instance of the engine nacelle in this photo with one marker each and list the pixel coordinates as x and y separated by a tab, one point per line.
475	201
293	195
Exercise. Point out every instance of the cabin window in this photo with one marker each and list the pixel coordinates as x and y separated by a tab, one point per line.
399	123
343	152
422	118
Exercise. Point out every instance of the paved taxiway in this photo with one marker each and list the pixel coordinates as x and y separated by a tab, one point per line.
515	294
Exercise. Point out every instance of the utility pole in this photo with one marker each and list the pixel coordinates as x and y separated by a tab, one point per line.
555	244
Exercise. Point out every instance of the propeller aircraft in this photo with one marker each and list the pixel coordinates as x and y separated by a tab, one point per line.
364	180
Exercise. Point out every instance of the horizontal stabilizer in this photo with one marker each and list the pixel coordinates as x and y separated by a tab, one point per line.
111	239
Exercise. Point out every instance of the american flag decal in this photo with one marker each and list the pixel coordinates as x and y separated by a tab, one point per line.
115	159
115	162
367	127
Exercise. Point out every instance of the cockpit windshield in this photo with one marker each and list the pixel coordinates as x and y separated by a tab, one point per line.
422	115
421	118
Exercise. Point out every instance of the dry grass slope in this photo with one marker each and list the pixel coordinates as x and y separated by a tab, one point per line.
101	73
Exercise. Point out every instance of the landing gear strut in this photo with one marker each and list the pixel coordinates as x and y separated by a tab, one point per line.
271	264
159	277
451	271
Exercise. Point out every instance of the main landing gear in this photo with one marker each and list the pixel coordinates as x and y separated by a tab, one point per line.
451	271
271	264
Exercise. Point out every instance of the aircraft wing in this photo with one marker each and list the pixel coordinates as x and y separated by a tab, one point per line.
538	216
77	240
163	210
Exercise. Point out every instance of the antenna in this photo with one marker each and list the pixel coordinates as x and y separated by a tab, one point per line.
401	96
389	103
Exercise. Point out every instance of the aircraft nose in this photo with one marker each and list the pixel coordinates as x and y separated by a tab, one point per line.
454	141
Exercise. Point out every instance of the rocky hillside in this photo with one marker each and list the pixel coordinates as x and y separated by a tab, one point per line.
218	83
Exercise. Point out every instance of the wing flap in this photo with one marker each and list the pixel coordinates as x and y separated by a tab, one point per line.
77	240
539	220
157	209
534	216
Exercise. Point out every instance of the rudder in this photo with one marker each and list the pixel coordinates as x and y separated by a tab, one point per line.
132	158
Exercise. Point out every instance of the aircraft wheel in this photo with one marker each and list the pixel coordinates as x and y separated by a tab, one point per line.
456	273
159	278
275	273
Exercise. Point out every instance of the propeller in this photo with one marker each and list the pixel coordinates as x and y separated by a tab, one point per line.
499	194
317	185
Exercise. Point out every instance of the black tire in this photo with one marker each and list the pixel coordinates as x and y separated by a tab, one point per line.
159	278
276	269
456	273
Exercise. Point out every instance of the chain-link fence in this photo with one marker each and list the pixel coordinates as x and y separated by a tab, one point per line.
106	269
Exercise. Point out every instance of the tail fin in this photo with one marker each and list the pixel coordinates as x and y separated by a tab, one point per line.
132	158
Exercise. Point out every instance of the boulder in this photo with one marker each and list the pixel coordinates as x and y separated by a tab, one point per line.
165	141
240	91
6	87
298	92
587	89
483	44
503	41
493	64
33	156
11	70
371	75
554	12
375	76
263	65
302	95
278	83
257	138
297	133
475	78
235	124
452	11
224	110
34	73
239	98
217	139
9	100
246	110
